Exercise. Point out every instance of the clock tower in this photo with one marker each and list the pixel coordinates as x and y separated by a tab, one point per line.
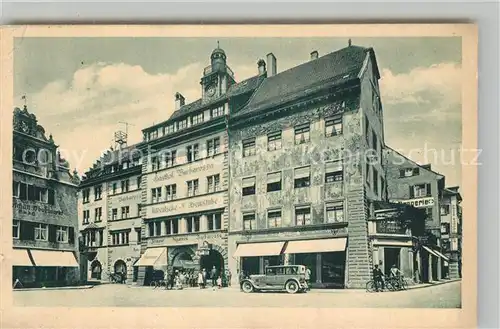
217	77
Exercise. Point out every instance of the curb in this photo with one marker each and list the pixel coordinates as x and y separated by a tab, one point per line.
437	283
55	288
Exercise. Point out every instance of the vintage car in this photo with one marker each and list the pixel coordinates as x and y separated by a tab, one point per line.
284	277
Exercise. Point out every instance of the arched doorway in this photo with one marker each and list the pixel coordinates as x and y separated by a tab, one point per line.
183	261
120	267
213	259
96	270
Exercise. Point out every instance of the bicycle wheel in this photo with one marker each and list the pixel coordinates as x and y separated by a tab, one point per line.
153	284
370	286
162	284
404	285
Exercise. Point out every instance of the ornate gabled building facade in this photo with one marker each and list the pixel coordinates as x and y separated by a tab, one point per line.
45	222
305	170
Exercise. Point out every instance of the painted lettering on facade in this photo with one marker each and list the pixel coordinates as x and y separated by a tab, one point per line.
211	238
297	234
34	209
454	219
417	203
182	171
181	206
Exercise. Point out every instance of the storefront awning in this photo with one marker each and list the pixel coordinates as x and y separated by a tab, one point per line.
54	258
446	259
259	249
20	257
430	251
321	245
152	257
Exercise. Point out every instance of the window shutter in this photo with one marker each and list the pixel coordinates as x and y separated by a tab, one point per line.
428	189
27	230
302	172
52	233
401	173
412	192
333	166
274	178
71	235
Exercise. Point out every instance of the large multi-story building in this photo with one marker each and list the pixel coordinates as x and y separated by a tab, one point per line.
419	186
304	169
451	230
109	203
45	222
185	176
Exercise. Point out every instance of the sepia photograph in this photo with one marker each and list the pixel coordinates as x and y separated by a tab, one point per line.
239	172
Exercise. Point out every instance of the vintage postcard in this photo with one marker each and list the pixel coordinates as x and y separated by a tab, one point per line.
239	176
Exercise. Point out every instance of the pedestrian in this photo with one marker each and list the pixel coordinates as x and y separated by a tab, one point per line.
219	282
228	275
170	282
241	278
201	281
378	278
205	277
213	276
308	278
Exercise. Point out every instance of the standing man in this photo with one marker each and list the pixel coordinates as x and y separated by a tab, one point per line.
378	278
213	276
228	276
308	278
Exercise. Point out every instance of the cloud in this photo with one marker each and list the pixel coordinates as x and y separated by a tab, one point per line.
422	84
84	113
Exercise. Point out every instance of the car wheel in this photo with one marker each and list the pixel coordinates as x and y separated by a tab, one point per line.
291	287
247	287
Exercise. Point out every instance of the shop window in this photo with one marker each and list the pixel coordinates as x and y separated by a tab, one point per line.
274	182
274	218
420	190
213	183
193	224
15	229
248	186
302	133
274	141
332	268
249	147
171	192
303	216
214	221
41	232
309	260
98	214
192	187
333	126
213	146
249	222
334	172
192	153
156	195
125	212
335	213
302	177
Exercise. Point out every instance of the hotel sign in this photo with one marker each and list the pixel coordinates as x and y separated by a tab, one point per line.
454	219
128	198
22	208
417	203
187	239
182	171
173	208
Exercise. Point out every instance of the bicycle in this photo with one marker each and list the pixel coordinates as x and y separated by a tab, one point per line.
158	284
390	284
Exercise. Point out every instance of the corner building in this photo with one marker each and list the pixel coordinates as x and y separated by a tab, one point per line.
44	208
305	169
185	182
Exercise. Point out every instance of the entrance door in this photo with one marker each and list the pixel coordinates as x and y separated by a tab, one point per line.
96	270
213	259
392	256
120	267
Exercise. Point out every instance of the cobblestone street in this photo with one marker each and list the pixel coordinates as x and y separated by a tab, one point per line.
110	295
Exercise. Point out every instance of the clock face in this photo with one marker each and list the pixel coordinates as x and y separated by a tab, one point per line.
211	91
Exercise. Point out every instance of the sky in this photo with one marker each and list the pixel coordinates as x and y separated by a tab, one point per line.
82	89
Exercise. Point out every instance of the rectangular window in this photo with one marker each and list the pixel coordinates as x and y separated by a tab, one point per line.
274	182
155	163
151	229
192	153
445	209
302	133
214	221
170	159
248	186
249	147
213	183
125	212
420	190
98	214
302	177
15	229
171	192
193	224
213	146
192	186
51	197
114	214
375	181
303	216
158	230
138	235
23	192
169	129
172	226
197	119
249	221
182	124
217	112
409	172
86	216
156	195
98	192
274	218
335	213
274	141
114	187
445	228
15	189
334	172
125	185
62	234
333	126
41	232
138	182
153	134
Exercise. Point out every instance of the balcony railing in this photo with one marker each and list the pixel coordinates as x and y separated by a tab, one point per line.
208	70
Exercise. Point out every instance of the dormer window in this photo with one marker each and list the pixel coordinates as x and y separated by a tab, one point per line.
197	119
217	112
182	124
169	129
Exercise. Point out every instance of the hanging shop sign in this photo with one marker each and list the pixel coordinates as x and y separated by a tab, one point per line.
204	249
417	203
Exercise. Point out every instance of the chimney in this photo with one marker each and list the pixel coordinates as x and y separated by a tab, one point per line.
271	65
179	101
261	64
314	55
